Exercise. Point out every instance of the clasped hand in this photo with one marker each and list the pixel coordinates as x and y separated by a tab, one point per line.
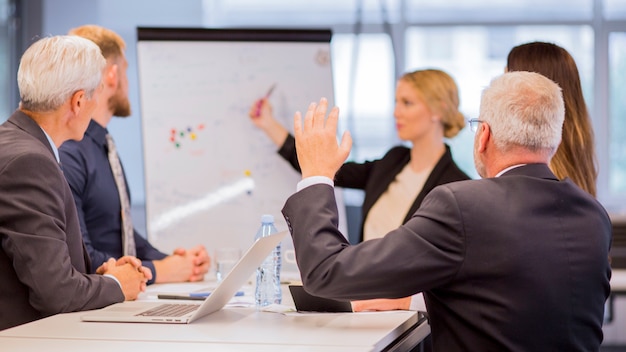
129	272
183	265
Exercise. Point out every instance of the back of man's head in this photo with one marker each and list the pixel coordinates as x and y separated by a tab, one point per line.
54	68
524	109
111	44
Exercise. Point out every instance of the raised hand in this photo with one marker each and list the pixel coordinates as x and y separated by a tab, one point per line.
319	154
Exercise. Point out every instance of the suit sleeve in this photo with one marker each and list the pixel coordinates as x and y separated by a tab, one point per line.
36	241
424	253
145	250
288	152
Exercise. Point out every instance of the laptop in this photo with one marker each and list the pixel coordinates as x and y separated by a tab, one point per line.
306	302
185	313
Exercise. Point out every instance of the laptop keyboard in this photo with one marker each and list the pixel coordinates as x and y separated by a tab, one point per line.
169	310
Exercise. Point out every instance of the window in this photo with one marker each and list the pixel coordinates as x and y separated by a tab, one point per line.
617	112
615	9
451	11
364	90
6	82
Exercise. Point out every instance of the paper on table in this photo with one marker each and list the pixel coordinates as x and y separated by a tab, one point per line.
278	308
154	290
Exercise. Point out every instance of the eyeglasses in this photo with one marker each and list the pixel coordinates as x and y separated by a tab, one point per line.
473	124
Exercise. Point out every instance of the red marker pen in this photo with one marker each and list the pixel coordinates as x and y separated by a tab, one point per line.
260	103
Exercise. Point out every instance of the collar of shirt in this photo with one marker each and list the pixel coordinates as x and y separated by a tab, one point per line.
508	169
55	150
97	133
310	181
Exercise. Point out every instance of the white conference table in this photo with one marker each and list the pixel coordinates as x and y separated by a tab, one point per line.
24	344
230	329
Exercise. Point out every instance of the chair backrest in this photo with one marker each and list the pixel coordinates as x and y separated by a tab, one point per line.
618	248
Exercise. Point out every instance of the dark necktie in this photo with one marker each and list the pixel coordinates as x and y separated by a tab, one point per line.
128	239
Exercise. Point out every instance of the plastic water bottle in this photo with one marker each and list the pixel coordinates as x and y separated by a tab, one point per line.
268	289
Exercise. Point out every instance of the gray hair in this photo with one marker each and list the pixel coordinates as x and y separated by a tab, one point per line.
524	109
54	68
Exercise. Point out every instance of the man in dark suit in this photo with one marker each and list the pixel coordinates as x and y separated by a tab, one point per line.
43	264
516	261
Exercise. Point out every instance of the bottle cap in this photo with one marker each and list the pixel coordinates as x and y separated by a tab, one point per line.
267	218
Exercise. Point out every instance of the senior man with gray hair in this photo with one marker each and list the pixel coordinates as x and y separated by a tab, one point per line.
516	261
43	264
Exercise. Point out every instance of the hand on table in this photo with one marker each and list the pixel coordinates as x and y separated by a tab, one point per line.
129	272
183	265
381	304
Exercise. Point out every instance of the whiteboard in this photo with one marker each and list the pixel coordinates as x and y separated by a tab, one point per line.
209	172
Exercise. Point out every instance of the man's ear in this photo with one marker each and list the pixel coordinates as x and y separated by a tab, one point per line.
484	136
77	101
110	75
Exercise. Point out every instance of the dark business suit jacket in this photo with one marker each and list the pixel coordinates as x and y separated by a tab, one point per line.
43	263
374	177
514	263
